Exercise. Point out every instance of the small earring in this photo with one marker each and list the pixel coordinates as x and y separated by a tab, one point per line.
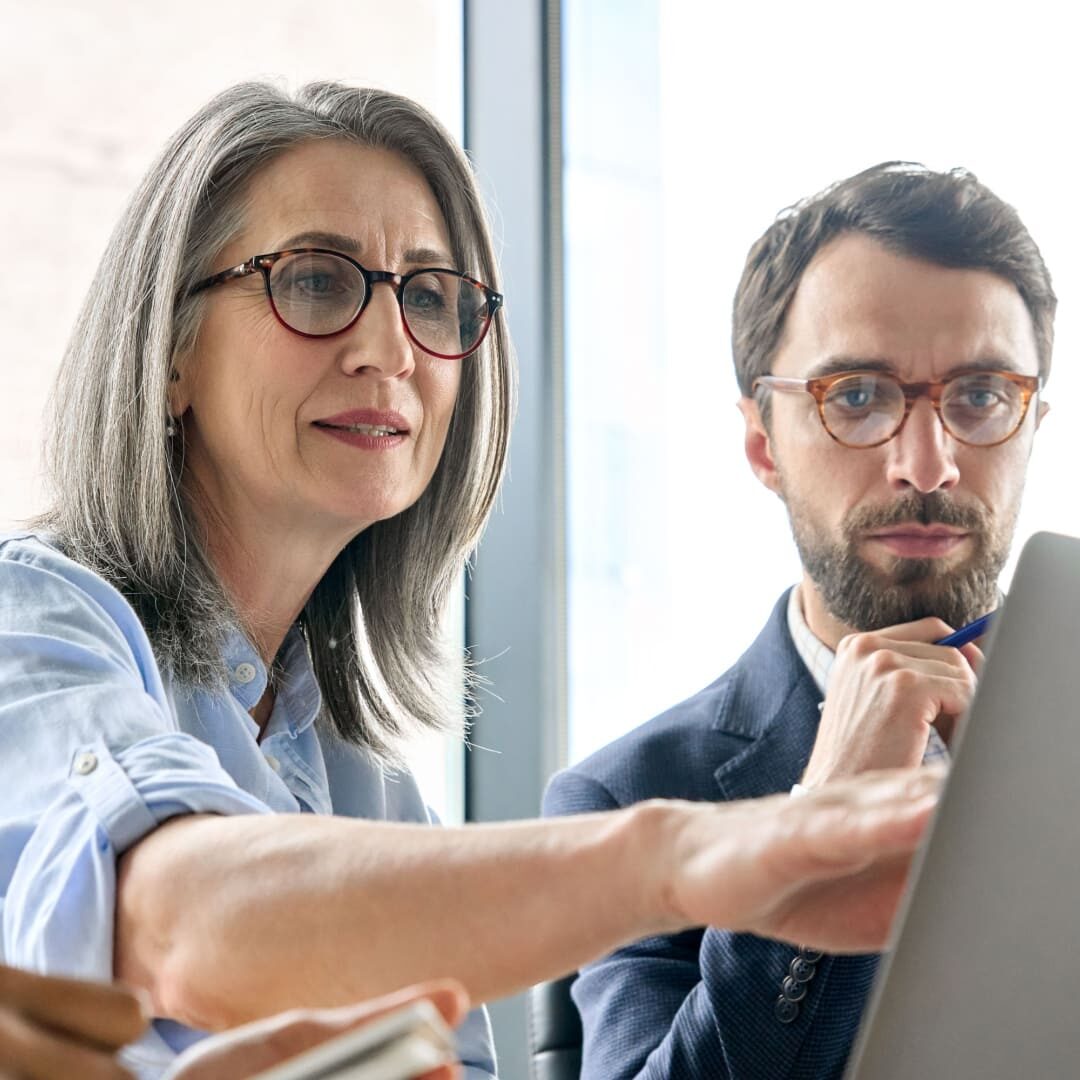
170	428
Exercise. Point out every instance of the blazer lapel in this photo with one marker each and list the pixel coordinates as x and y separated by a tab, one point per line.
773	700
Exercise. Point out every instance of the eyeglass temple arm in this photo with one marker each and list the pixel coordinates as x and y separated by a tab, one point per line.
242	270
780	382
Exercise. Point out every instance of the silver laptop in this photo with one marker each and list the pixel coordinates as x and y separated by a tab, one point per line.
983	979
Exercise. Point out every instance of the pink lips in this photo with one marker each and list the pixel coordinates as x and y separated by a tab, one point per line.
355	428
920	541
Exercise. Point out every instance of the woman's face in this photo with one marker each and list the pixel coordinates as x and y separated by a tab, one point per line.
327	434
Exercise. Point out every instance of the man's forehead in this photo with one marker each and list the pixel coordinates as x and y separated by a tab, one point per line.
860	304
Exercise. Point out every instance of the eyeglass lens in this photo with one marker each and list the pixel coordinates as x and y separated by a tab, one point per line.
981	408
319	293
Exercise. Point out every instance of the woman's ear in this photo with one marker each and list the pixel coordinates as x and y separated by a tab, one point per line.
179	391
758	445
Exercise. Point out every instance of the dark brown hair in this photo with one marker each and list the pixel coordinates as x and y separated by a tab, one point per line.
947	218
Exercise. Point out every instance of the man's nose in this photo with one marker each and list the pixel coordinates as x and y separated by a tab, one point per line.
377	344
922	455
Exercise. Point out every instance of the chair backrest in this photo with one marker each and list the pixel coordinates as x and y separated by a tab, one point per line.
554	1031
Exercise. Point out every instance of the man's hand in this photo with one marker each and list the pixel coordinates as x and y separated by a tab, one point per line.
825	870
52	1028
247	1050
886	690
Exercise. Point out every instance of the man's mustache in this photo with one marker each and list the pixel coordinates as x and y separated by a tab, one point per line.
933	508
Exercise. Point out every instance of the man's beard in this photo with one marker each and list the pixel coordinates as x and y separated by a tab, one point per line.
865	598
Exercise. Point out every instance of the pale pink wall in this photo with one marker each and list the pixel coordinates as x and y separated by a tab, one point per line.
87	95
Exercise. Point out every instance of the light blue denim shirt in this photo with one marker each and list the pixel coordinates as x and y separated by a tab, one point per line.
97	749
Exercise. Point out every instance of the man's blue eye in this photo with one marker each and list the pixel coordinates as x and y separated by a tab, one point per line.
981	399
856	396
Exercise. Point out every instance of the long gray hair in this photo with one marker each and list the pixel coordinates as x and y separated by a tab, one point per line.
119	502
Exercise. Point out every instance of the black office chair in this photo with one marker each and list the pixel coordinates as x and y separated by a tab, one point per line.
554	1031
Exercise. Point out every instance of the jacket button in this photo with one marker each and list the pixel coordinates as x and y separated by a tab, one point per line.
792	990
802	970
785	1011
810	955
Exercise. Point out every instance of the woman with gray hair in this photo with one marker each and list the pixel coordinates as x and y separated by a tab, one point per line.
279	429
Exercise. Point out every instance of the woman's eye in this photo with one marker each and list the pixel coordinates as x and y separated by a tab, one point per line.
314	283
426	298
314	278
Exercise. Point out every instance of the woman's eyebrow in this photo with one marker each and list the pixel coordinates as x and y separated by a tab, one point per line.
318	238
349	245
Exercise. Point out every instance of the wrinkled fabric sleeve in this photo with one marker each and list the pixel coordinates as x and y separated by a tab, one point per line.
91	759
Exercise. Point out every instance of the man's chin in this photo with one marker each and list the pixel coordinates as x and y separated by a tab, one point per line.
921	574
868	597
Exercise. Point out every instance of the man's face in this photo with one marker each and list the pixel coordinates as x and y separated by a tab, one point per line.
920	525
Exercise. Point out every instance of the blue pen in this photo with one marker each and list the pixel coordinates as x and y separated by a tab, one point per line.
967	633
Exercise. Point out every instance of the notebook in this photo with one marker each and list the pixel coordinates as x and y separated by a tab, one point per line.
983	978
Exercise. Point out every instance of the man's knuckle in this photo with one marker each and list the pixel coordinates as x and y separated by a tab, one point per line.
884	663
905	680
861	645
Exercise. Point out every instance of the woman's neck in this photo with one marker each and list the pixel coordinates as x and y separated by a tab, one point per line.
269	570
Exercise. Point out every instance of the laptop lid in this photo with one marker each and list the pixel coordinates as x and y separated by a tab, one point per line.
984	976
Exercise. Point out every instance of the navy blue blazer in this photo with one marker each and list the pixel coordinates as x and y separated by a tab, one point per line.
705	1003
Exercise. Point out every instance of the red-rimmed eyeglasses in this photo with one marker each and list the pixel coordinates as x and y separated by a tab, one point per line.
317	293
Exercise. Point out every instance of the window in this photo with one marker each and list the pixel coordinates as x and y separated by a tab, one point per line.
688	126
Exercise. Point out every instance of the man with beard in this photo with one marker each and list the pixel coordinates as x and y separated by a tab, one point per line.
891	337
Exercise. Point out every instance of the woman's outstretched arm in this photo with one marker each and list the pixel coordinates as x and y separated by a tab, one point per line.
228	918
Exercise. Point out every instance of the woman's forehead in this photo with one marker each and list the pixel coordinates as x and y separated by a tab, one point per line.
374	202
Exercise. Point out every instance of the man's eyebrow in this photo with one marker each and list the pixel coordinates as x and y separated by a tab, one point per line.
836	365
349	245
990	363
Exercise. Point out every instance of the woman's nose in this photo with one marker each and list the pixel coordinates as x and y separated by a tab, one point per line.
377	343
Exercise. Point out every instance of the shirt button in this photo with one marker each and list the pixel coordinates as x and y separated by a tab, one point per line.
801	970
273	763
785	1011
792	990
811	956
85	764
244	673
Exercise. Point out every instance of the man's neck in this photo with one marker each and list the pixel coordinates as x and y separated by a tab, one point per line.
823	625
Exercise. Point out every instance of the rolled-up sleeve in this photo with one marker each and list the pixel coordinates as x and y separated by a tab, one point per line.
91	759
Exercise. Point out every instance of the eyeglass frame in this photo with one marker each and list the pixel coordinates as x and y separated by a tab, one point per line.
264	264
818	388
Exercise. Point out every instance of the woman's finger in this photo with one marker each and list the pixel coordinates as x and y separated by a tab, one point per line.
30	1051
109	1016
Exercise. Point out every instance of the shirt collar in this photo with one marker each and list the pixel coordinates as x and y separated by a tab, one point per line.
298	698
814	653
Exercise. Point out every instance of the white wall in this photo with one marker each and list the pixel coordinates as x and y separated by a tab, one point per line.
743	109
